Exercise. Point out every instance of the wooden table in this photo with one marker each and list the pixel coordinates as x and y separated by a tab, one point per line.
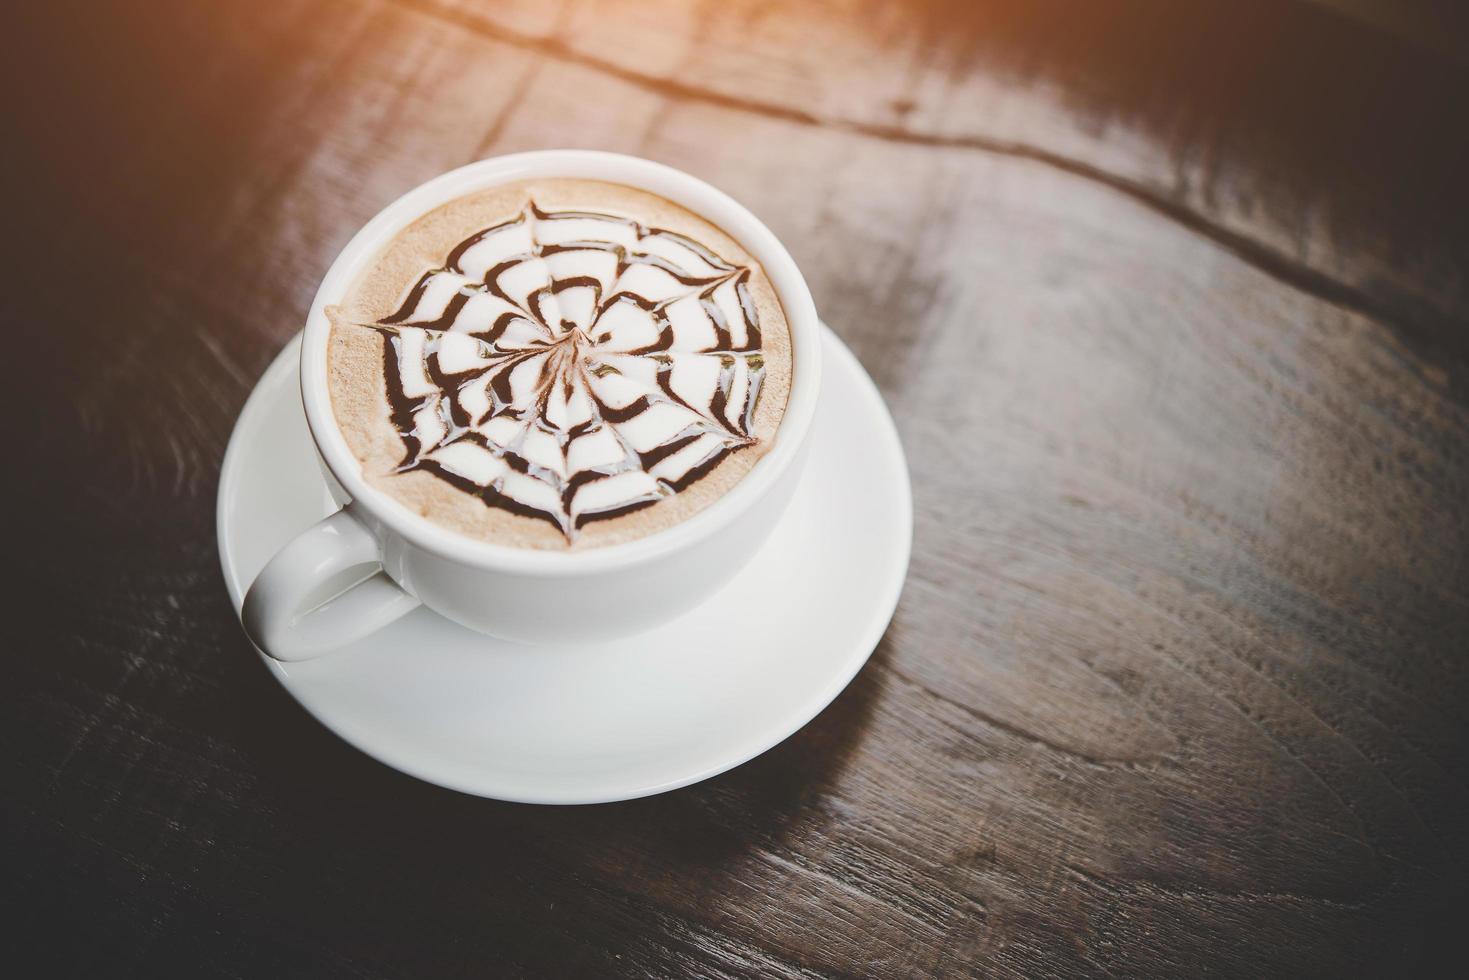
1169	301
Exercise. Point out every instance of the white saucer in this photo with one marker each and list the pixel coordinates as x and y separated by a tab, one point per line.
629	718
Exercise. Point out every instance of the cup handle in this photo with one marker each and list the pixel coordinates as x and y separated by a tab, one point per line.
286	613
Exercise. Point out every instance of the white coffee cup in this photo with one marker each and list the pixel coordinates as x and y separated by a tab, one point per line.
296	608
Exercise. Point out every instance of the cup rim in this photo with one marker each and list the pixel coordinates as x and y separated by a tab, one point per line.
703	199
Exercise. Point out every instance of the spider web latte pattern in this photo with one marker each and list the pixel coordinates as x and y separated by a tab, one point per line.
572	366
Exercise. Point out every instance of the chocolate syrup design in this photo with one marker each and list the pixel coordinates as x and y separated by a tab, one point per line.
573	366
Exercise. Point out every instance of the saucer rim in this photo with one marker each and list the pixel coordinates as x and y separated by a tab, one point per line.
746	748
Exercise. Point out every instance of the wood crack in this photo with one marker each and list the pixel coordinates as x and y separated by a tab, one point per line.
1273	262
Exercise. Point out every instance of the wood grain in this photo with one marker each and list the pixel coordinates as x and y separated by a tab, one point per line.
1169	304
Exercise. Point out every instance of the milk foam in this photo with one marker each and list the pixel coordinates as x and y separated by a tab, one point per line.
574	366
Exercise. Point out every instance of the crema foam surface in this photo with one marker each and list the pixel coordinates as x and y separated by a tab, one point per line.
581	362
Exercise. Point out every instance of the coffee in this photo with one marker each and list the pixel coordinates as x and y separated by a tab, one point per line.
559	364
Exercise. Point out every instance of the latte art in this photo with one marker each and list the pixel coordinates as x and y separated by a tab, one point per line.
573	366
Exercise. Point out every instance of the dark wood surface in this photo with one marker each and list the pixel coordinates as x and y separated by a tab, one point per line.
1169	301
